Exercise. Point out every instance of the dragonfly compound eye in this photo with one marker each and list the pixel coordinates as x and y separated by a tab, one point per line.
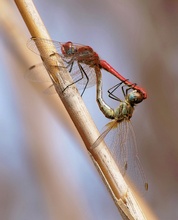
135	97
68	48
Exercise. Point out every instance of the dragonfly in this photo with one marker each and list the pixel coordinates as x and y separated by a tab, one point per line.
81	61
122	141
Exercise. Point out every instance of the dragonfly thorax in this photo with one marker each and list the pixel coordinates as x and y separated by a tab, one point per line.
88	56
124	111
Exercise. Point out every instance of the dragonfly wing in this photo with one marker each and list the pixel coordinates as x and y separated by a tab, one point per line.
106	129
134	166
50	90
113	136
115	140
34	43
80	74
91	75
121	141
37	73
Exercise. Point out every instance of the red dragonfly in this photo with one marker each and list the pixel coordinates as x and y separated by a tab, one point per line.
81	61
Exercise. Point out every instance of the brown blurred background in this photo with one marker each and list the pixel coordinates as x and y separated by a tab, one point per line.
45	172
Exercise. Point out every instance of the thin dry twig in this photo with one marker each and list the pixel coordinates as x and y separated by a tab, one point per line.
123	198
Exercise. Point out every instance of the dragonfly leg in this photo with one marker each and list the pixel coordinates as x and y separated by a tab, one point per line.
83	74
114	88
68	63
132	86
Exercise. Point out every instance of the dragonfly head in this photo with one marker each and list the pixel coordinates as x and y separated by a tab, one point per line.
68	48
134	97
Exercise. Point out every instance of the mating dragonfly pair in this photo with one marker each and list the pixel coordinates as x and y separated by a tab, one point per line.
85	66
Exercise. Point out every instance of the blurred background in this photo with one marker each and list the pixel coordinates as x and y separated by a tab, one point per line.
45	171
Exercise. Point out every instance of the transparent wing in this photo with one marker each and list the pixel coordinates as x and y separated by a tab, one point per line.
84	76
115	140
37	73
120	139
107	128
134	166
32	45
